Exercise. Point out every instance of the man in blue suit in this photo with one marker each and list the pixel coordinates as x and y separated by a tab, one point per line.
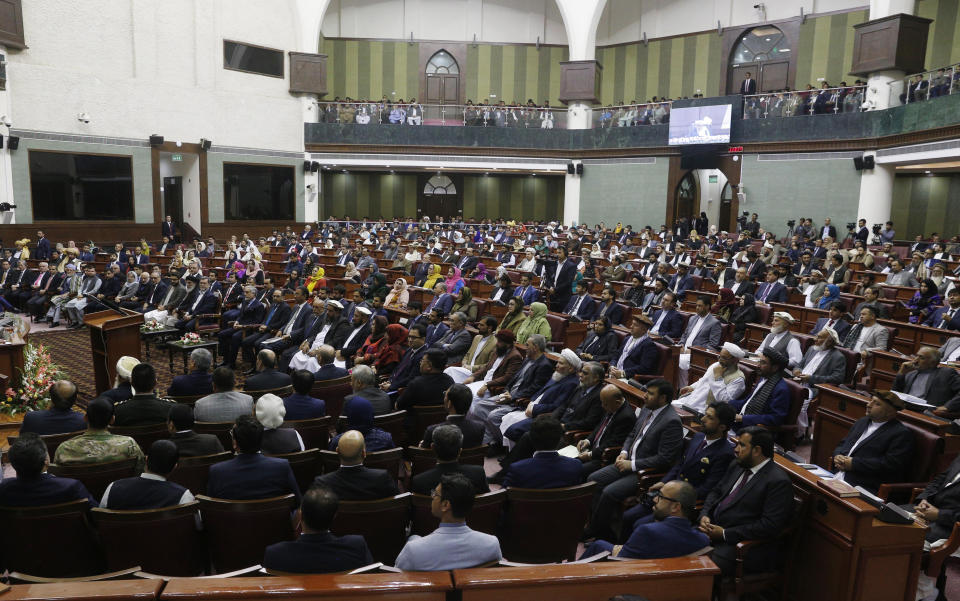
546	469
205	302
526	291
581	306
317	551
251	475
771	291
442	300
43	247
638	354
552	396
681	281
667	532
702	465
666	321
60	418
33	486
199	380
300	405
248	315
948	316
436	328
275	320
769	402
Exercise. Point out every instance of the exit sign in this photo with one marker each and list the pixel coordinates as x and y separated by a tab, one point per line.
735	149
177	158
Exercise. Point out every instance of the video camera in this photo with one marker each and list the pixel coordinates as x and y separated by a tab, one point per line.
852	225
791	223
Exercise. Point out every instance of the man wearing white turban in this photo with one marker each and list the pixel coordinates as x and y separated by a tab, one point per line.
722	382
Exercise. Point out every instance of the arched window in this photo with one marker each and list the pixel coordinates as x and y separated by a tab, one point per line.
442	62
685	196
762	43
439	184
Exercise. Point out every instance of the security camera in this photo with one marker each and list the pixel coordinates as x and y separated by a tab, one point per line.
310	187
83	118
6	121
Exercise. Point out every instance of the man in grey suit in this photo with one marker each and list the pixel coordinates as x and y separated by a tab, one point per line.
703	329
456	341
868	335
898	276
822	364
654	443
364	383
923	377
950	351
226	404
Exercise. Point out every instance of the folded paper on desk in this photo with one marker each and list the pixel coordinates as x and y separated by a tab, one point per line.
569	451
913	400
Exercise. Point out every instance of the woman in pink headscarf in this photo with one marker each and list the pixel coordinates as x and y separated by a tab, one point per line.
454	281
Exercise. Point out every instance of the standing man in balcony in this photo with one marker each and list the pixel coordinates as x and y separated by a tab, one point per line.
749	85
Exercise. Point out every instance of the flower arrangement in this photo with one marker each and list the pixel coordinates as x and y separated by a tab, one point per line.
191	338
39	372
152	326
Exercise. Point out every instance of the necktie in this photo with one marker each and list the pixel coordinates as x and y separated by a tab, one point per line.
747	474
766	292
830	324
576	305
39	277
603	426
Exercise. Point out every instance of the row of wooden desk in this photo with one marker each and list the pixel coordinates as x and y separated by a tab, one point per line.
679	579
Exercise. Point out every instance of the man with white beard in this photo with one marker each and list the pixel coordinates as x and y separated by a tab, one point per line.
722	382
823	364
782	340
174	296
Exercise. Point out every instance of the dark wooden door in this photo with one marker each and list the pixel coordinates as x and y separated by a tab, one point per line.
446	205
773	75
736	74
442	89
173	198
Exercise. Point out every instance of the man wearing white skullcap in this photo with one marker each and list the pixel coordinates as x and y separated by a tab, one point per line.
781	339
121	390
553	394
822	364
270	412
721	382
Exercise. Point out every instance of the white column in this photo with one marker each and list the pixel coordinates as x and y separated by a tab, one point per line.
876	193
884	87
6	164
571	199
580	19
884	8
310	18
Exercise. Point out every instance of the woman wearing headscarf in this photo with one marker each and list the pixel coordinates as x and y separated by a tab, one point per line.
464	302
601	343
293	281
535	323
359	414
276	440
238	270
374	343
454	282
726	304
831	294
481	274
22	252
392	352
231	258
253	270
435	277
399	296
514	317
596	252
316	280
377	286
924	301
742	315
351	272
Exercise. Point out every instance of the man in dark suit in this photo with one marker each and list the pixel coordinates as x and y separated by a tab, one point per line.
609	308
267	376
145	407
771	291
748	86
546	469
189	443
468	261
300	405
447	442
310	320
409	367
922	377
33	486
442	301
456	342
827	230
60	418
754	500
526	291
878	449
560	282
681	281
581	306
168	228
457	403
430	386
43	247
638	354
354	481
703	463
654	443
618	420
834	320
769	402
359	330
248	315
326	355
316	550
199	380
151	489
948	316
939	503
278	315
251	475
666	321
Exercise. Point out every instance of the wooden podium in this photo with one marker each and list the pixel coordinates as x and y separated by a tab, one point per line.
112	336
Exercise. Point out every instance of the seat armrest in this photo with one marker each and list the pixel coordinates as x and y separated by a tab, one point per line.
886	490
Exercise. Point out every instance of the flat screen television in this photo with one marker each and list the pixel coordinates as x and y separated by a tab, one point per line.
700	125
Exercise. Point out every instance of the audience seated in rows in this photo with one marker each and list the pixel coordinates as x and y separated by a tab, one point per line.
353	481
250	474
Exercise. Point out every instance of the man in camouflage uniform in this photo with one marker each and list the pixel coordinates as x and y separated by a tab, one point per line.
97	445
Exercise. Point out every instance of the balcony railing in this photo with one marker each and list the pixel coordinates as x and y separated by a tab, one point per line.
632	115
825	101
363	113
924	86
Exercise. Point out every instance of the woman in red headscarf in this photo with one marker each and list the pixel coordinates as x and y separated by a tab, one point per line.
391	354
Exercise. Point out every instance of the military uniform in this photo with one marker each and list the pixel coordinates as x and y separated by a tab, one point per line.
142	410
96	446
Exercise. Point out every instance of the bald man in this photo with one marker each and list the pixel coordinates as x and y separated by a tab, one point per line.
353	481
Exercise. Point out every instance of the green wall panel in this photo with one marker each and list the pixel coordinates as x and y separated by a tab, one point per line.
925	204
626	192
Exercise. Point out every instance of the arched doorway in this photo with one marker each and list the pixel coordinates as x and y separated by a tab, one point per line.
726	208
764	52
686	201
440	196
442	78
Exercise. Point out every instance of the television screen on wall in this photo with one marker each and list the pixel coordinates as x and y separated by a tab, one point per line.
700	125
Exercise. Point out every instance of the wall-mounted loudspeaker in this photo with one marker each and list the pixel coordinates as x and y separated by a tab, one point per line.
858	163
868	162
579	168
13	142
156	140
571	169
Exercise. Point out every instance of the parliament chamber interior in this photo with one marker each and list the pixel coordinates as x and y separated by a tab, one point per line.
480	299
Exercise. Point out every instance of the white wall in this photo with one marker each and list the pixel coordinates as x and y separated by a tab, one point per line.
140	67
710	192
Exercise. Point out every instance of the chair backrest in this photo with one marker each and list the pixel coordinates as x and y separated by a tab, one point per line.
421	460
63	541
663	360
474	455
144	435
332	392
764	312
853	359
96	476
424	416
928	449
392	423
545	525
187	399
281	392
219	429
238	532
51	440
192	473
305	466
382	523
161	541
787	437
314	432
558	326
483	517
384	460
